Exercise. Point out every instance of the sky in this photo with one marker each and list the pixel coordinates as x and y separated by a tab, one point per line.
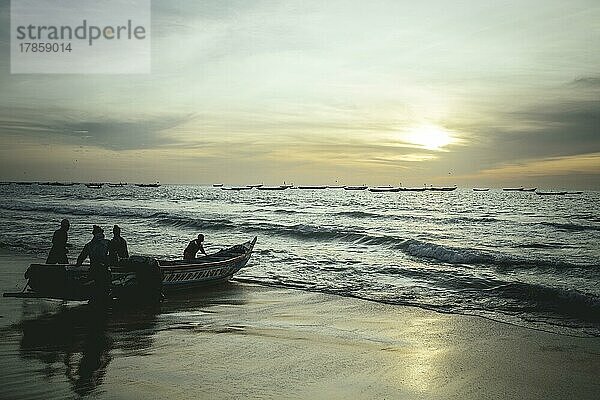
472	93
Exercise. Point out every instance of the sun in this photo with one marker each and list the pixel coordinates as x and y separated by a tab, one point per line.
430	137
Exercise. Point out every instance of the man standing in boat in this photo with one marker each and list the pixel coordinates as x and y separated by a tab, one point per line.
195	245
97	250
118	247
59	250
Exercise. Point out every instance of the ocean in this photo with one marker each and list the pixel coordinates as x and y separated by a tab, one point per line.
514	257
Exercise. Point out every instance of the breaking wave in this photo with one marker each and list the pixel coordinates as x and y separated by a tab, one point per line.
411	247
511	261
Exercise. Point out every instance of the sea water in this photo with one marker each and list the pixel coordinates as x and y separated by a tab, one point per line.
515	257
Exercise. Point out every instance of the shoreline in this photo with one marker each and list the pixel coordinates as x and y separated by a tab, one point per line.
246	340
418	307
6	252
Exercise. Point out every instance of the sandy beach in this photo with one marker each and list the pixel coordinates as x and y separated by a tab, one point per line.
250	341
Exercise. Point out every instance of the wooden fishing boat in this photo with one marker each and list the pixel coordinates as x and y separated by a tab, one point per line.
412	189
356	187
58	183
551	193
236	188
136	276
94	185
384	189
148	185
481	189
281	187
441	188
217	184
116	185
513	189
529	189
313	187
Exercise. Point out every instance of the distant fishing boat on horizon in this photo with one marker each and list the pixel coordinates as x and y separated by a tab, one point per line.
236	188
560	193
384	189
441	188
57	183
280	187
361	187
313	187
148	185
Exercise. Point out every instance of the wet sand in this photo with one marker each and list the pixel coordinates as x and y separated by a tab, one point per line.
248	341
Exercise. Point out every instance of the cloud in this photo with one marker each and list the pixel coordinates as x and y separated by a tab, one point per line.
556	129
303	86
114	134
587	82
553	166
126	135
551	128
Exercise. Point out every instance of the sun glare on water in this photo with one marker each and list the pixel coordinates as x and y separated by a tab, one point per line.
431	137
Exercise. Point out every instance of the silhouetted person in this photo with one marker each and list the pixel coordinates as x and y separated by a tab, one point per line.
118	247
97	250
195	245
59	250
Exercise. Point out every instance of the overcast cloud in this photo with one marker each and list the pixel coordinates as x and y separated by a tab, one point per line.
314	92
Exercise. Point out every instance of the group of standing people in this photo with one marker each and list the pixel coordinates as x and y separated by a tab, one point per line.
103	253
100	250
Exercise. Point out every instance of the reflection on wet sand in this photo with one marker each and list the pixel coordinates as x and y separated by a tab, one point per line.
83	337
249	341
86	339
87	372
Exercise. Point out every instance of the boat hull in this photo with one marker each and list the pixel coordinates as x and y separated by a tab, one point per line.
183	276
136	275
273	187
384	190
551	193
355	187
441	189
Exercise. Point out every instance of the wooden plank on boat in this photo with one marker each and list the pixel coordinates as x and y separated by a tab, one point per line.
24	295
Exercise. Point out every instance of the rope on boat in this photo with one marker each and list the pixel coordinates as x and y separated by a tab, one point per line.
25	287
